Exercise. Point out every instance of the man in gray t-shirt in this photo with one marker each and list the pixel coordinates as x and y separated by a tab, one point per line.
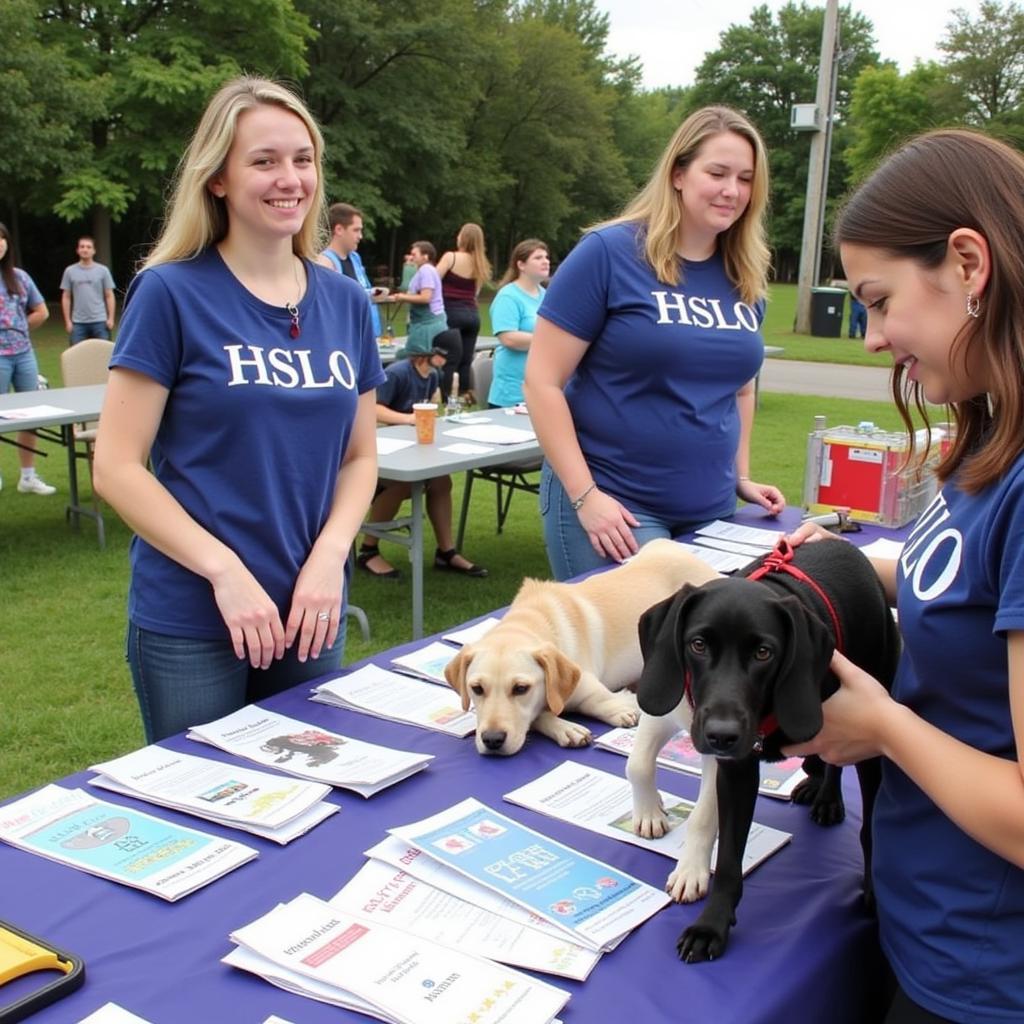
87	296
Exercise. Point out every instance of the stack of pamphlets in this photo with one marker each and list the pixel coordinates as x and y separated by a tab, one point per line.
71	827
721	543
603	803
275	807
376	691
316	949
470	634
309	751
426	663
591	903
778	778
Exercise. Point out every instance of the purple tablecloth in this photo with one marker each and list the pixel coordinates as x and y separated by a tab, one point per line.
803	949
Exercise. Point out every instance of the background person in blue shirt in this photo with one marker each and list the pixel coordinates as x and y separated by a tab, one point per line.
640	378
933	244
408	381
514	316
858	317
246	373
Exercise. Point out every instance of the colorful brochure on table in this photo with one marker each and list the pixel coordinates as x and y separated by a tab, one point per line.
593	902
309	751
71	827
275	807
402	901
778	778
426	663
397	854
603	803
376	691
400	977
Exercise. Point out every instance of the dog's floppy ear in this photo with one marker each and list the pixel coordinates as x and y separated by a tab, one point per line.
661	680
806	656
561	674
455	672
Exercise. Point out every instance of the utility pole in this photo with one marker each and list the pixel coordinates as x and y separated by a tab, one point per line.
817	170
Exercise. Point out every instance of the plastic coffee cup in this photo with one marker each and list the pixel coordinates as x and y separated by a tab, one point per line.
426	418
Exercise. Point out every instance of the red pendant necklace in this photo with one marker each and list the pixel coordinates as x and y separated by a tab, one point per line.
293	307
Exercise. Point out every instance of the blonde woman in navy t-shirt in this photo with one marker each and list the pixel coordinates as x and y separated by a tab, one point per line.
246	373
640	378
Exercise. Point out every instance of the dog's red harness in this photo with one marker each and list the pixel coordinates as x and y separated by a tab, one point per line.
780	559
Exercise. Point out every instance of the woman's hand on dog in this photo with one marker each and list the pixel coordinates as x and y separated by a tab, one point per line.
608	523
855	718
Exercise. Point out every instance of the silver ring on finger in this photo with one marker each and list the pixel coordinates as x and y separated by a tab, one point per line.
324	616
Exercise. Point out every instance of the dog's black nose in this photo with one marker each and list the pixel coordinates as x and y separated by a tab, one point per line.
722	735
493	739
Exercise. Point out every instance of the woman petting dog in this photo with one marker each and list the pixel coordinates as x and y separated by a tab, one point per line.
246	373
933	245
640	377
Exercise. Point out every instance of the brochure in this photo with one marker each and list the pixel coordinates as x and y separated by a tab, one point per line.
398	899
594	902
603	803
722	561
752	536
383	694
427	662
778	778
470	634
393	852
111	1013
33	412
403	977
275	807
493	433
309	751
71	827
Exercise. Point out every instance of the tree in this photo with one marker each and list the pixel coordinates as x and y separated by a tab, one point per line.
765	67
150	67
986	59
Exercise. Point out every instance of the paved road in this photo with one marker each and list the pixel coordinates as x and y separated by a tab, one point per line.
830	380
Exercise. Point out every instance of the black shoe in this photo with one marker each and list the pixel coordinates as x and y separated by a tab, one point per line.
368	552
443	560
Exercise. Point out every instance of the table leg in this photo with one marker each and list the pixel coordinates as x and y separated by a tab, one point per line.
68	440
416	554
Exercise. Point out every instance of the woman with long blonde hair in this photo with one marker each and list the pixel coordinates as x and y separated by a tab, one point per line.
464	271
245	373
640	378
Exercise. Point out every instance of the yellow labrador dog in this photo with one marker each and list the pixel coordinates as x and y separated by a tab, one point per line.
567	647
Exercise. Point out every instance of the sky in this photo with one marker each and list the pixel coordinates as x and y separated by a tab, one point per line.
672	36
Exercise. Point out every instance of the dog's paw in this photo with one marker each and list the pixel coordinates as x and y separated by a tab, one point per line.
702	942
828	812
650	823
569	734
806	791
624	718
689	882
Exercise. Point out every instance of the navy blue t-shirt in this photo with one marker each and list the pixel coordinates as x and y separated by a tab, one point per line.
255	427
653	399
404	386
951	912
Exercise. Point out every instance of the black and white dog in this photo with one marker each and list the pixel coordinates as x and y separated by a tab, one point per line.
748	658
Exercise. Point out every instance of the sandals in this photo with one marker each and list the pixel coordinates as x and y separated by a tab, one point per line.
443	560
368	552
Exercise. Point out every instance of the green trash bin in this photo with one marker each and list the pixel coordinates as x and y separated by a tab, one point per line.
827	312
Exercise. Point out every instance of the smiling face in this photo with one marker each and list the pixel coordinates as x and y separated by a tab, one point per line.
269	177
915	314
715	187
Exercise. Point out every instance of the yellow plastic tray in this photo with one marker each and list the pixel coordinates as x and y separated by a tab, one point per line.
21	954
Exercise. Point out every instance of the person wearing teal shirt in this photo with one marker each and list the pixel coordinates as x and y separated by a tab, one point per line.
513	315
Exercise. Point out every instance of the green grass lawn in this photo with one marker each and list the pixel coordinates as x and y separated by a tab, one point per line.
65	690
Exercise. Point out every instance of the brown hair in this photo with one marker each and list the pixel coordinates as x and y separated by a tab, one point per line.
908	208
343	214
520	254
427	248
470	240
11	282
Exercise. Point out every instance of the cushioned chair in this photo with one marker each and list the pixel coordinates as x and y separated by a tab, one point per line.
81	364
507	478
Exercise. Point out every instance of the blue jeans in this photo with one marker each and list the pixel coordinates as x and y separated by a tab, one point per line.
21	370
96	329
568	546
182	681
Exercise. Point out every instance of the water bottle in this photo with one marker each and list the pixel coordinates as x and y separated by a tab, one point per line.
452	407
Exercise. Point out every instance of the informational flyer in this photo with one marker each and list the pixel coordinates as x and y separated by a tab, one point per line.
593	901
720	561
406	978
470	634
375	691
71	827
402	901
603	803
778	778
309	751
426	663
275	807
111	1013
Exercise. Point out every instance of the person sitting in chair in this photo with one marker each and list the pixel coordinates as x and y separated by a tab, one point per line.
416	379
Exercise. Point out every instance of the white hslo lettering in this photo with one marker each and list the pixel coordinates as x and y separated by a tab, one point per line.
292	368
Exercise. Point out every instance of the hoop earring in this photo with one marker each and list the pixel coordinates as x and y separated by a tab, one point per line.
973	306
